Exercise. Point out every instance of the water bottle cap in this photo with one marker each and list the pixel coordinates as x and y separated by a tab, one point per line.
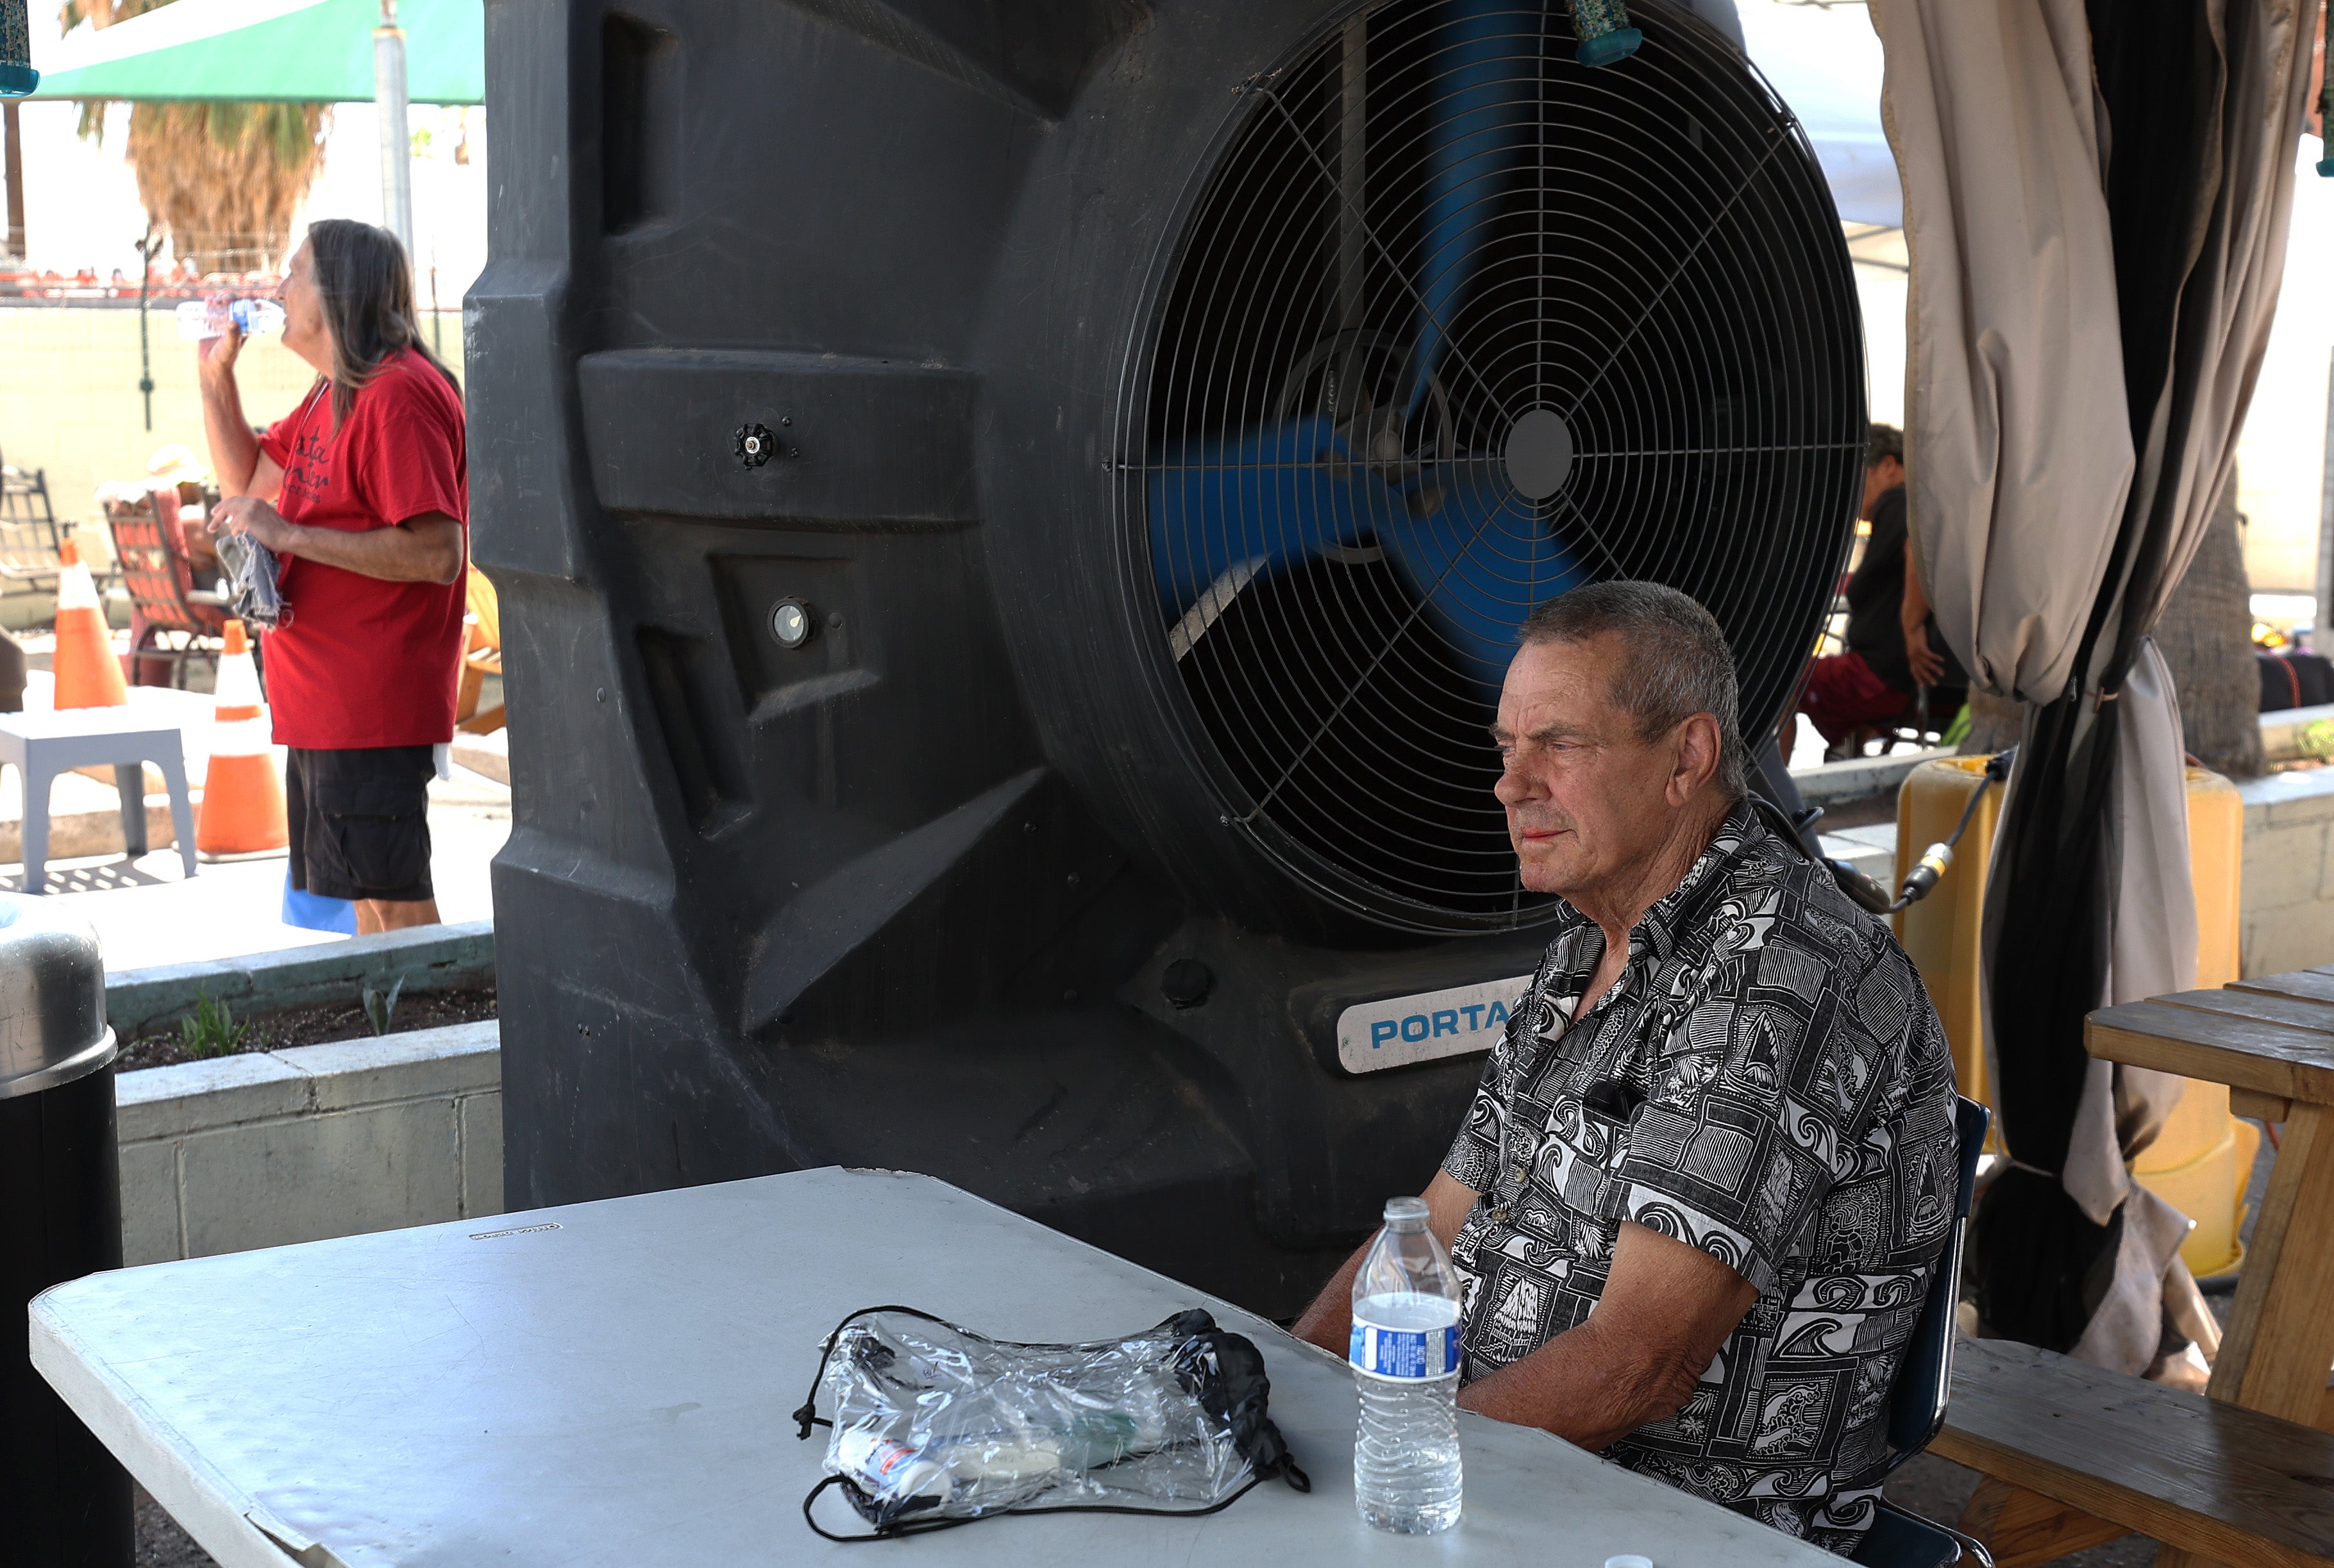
1405	1211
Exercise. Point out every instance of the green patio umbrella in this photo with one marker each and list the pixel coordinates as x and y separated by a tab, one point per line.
305	51
290	50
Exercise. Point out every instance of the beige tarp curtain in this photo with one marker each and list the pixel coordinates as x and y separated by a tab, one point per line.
2022	461
2018	449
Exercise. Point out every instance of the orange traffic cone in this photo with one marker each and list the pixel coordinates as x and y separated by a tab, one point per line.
88	673
242	809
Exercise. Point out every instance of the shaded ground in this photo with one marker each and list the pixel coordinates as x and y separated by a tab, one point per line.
317	1025
1937	1489
160	1542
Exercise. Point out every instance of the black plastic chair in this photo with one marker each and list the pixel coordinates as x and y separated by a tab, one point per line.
1916	1409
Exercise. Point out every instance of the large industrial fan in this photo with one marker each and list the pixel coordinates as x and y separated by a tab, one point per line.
1015	517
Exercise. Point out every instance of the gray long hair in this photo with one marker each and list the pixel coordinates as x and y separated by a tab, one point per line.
367	295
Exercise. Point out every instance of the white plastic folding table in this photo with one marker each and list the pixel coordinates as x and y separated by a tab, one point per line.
610	1383
42	744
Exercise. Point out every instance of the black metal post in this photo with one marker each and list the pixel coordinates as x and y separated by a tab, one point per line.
145	281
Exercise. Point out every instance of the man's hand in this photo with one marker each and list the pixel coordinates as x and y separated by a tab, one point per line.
1666	1311
248	514
1928	665
1329	1320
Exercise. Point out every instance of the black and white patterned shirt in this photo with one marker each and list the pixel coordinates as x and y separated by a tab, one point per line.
1766	1080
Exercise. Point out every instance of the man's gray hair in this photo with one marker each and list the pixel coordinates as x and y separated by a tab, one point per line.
1675	662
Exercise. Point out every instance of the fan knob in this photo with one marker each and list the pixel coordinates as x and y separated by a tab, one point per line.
755	445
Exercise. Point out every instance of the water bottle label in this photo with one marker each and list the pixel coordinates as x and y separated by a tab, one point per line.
1403	1355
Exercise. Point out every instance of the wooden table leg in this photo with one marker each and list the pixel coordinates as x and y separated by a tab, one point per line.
2280	1338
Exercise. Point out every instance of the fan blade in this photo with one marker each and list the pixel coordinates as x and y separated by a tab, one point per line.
1475	130
1481	563
1228	512
1249	503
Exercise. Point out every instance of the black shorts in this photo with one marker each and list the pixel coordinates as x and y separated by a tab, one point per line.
360	822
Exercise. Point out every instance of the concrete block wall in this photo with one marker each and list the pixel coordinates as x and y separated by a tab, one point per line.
310	1142
2287	903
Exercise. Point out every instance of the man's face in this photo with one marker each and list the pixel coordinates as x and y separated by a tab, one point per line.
305	331
1880	479
1586	797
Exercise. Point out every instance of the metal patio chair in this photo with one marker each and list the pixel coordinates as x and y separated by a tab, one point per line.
1917	1408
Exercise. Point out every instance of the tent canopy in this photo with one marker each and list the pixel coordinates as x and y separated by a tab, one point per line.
292	50
1826	66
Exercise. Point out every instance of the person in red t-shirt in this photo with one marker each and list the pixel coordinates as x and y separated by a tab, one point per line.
363	492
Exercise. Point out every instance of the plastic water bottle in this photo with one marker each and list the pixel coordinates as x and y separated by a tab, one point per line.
1405	1353
202	319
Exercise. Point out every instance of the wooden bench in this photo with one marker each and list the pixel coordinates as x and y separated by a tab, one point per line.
2114	1454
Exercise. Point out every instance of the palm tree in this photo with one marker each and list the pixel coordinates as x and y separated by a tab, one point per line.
221	178
2206	635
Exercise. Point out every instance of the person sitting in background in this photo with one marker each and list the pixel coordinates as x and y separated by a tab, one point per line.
1893	648
362	493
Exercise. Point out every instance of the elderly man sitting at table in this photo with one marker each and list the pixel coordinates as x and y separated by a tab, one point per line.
1698	1198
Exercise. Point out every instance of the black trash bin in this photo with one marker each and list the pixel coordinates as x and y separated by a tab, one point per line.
62	1499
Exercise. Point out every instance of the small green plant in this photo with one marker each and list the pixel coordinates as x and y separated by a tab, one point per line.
380	1008
210	1030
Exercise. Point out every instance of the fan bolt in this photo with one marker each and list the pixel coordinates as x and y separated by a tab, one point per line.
1186	984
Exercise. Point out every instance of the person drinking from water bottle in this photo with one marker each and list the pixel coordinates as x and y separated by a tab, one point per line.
362	493
1702	1186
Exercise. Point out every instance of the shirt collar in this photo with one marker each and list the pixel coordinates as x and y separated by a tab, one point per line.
1657	934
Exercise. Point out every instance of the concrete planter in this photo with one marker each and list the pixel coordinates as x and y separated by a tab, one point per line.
314	1141
2286	901
426	958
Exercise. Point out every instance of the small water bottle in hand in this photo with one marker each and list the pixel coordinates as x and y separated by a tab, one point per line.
1405	1355
201	319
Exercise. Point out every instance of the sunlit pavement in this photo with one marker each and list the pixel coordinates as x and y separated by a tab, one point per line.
146	910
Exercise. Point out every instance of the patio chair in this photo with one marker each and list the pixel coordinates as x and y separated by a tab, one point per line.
1916	1406
482	656
170	620
29	530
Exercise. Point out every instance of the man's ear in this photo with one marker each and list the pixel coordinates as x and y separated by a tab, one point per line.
1695	760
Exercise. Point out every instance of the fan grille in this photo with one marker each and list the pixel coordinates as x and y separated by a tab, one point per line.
1456	323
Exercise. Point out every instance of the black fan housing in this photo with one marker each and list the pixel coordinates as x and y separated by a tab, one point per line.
1173	409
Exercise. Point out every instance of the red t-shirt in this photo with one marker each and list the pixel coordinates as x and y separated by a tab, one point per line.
363	662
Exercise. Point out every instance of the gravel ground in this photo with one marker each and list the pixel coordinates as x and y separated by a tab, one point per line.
162	1544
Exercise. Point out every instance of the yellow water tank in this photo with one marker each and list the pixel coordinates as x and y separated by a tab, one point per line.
2200	1162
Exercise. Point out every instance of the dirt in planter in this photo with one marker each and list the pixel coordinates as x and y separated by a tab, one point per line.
316	1025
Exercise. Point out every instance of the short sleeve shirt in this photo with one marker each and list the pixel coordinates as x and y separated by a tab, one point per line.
363	662
1767	1081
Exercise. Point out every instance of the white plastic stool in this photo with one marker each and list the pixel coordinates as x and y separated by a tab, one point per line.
41	746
